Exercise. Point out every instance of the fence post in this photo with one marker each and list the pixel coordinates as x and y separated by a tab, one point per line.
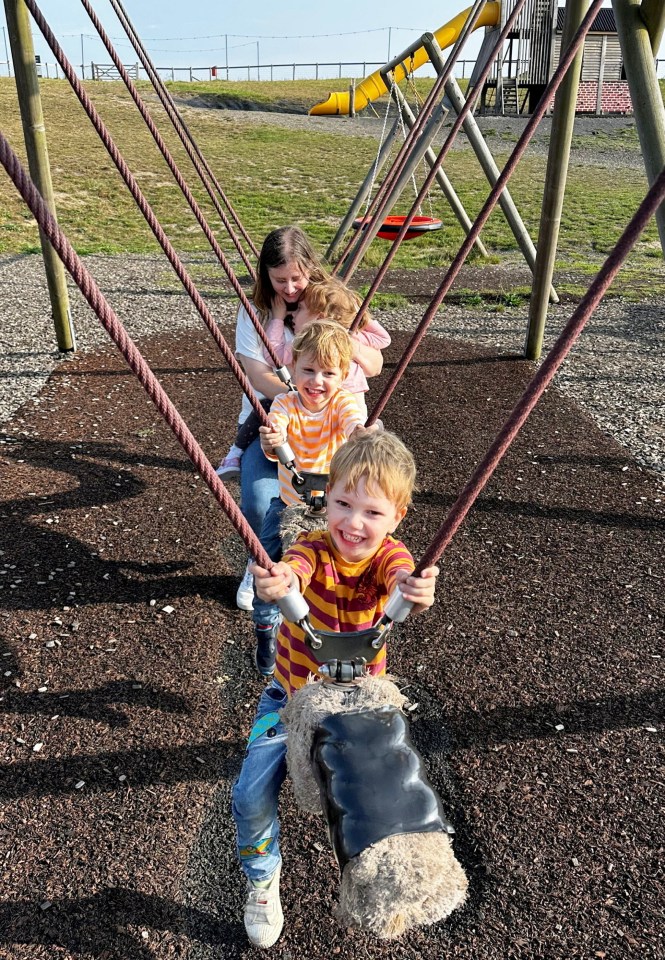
317	71
352	99
293	76
601	75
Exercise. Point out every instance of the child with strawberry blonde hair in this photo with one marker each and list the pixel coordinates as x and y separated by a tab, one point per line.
332	300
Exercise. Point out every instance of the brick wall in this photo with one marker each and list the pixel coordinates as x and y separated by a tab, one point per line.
615	97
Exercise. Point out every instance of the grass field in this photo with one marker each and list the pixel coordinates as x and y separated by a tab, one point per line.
275	176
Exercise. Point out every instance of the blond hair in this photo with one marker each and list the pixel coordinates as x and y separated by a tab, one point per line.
333	300
328	342
382	461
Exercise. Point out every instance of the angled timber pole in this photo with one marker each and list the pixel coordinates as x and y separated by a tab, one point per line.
441	177
485	159
34	133
635	37
364	191
653	14
563	120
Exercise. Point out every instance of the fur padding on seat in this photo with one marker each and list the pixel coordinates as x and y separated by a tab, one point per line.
402	881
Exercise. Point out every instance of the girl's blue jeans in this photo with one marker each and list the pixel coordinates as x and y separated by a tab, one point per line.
258	485
268	614
256	791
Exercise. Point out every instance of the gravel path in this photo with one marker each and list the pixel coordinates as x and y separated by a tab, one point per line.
615	371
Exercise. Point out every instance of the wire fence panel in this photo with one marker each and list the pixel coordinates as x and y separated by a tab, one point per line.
334	70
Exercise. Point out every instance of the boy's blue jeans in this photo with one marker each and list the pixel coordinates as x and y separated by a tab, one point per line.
256	791
265	613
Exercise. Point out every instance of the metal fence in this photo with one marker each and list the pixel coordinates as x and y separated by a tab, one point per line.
334	70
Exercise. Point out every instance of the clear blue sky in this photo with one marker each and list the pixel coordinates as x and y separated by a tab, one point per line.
198	32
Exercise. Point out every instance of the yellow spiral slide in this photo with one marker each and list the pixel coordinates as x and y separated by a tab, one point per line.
373	86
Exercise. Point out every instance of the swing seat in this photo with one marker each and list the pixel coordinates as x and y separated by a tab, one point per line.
391	226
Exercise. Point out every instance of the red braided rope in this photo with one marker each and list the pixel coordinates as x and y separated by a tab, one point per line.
436	166
117	62
490	203
196	210
128	348
148	212
181	127
544	376
380	200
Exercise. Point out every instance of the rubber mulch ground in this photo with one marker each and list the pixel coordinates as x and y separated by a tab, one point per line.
537	676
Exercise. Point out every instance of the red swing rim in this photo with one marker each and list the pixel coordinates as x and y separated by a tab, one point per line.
392	225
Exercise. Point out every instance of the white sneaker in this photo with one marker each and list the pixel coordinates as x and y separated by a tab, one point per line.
263	913
245	594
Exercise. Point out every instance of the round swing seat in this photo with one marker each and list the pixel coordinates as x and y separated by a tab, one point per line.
391	226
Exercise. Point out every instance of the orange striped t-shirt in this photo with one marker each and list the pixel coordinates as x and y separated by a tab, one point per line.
342	596
314	437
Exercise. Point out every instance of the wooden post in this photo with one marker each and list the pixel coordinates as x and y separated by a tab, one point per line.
561	135
653	14
34	133
644	92
601	75
352	99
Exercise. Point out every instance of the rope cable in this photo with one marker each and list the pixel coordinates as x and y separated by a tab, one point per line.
418	100
484	214
149	214
400	114
136	97
541	380
128	348
381	140
180	126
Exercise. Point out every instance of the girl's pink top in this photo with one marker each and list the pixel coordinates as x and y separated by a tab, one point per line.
372	335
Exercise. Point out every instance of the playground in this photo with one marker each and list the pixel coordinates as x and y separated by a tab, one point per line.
132	667
534	685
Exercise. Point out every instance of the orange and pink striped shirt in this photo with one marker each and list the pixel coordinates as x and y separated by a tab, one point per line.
342	596
314	437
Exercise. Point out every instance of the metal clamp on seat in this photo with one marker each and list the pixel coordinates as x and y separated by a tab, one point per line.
344	671
286	456
344	656
341	656
311	488
331	645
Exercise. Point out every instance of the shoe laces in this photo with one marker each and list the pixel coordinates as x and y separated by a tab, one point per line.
260	901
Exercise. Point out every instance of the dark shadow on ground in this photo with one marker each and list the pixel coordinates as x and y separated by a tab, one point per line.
437	735
99	925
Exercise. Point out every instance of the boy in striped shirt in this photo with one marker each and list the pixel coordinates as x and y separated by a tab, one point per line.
346	573
316	420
